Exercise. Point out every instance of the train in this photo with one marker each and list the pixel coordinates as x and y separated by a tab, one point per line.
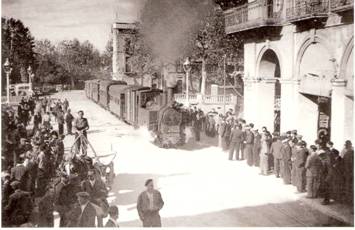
140	106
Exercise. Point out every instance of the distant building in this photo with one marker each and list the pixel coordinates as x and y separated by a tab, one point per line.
298	64
122	39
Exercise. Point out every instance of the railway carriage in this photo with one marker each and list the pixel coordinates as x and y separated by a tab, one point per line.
104	91
117	100
95	87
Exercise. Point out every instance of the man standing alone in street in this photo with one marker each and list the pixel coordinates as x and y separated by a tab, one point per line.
149	204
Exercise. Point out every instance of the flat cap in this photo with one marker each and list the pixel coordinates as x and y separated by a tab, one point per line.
83	194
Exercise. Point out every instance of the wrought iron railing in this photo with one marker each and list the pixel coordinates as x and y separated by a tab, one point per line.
307	8
254	14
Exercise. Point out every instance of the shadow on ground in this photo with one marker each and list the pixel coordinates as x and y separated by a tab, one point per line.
289	214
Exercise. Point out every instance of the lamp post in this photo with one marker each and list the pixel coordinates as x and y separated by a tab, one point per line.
187	68
30	77
8	69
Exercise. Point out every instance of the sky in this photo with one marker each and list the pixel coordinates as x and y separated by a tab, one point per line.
57	20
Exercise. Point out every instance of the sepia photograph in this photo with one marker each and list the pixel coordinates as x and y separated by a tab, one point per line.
177	113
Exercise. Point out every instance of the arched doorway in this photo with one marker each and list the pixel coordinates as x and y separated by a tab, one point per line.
315	71
269	68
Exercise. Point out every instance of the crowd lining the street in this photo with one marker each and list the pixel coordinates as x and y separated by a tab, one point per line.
318	169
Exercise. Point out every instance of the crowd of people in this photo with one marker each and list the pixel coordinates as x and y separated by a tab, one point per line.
38	178
318	169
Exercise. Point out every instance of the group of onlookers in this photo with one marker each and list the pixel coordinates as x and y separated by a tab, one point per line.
318	169
40	178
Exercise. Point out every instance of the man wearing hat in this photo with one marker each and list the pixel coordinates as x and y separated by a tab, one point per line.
313	174
19	207
300	162
236	140
286	163
67	198
87	211
256	147
97	192
275	150
248	148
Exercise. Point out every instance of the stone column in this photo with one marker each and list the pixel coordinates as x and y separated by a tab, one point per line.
289	104
265	103
340	108
250	100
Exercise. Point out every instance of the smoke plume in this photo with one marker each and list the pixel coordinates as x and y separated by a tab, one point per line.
169	26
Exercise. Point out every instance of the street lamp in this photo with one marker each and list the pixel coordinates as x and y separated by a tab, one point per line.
8	70
187	68
30	77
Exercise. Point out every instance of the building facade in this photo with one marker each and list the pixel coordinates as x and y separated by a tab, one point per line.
121	41
298	64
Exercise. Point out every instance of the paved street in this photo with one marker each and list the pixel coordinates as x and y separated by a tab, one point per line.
200	188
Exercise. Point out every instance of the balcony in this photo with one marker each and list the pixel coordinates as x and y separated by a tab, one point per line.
307	10
341	5
251	16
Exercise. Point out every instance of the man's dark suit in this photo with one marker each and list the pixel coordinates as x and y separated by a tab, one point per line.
87	217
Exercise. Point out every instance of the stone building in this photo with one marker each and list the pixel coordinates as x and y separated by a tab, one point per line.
298	63
121	42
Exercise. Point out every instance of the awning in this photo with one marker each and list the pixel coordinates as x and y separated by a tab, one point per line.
315	85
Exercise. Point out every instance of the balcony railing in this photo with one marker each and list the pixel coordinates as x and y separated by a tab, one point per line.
341	5
249	16
303	10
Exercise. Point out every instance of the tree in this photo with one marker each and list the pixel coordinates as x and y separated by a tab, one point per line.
17	44
211	45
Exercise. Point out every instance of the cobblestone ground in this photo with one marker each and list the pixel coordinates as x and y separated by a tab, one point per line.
199	185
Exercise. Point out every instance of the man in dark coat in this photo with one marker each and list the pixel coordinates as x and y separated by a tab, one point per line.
69	121
248	146
88	212
19	207
256	148
286	162
197	126
349	172
293	160
149	204
97	192
46	208
301	158
67	199
275	150
81	126
336	180
235	141
313	174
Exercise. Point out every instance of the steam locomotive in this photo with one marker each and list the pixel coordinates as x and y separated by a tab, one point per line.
140	106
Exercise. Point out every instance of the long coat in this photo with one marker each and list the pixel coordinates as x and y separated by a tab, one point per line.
313	174
150	218
349	176
301	157
248	149
286	163
19	208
